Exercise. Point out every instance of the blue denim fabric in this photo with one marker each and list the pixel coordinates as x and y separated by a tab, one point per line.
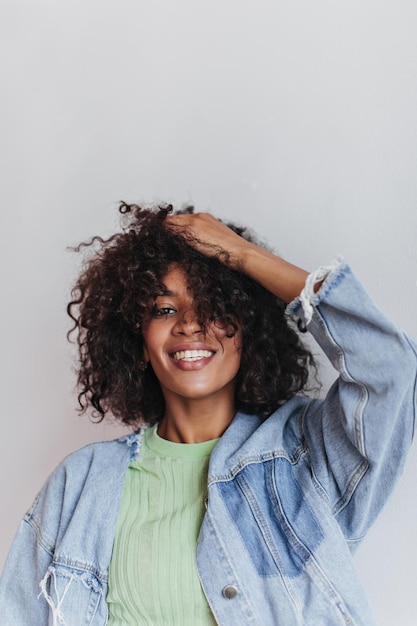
289	498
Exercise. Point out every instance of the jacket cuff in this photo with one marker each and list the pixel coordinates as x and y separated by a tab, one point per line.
301	309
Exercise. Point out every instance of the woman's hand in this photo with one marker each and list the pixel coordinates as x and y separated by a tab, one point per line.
210	237
213	238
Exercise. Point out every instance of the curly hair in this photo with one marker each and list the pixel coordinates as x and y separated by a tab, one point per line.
116	292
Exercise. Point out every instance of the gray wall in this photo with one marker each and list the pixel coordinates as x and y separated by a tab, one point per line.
296	117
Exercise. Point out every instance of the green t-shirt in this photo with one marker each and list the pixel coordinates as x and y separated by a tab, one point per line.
153	578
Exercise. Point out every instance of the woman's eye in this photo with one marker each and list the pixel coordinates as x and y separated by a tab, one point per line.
163	311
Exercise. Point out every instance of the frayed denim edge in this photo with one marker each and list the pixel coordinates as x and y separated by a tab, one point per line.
301	308
134	441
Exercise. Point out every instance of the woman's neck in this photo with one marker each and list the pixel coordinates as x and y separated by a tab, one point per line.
194	421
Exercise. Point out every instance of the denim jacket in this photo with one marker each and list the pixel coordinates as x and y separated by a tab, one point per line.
289	498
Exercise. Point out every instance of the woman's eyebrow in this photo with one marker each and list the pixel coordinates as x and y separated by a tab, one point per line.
167	292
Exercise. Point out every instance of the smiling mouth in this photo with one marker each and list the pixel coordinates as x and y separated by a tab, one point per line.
192	355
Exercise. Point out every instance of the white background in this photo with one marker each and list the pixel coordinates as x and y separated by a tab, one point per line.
296	117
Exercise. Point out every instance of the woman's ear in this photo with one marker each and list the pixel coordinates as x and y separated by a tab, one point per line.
143	363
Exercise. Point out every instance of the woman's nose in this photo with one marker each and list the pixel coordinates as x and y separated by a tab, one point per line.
188	323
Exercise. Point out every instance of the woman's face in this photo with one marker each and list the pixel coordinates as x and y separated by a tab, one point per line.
188	362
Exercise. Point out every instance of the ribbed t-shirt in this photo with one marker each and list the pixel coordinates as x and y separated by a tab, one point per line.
153	578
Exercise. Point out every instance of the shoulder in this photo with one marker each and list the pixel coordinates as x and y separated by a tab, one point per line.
97	456
101	452
250	438
84	473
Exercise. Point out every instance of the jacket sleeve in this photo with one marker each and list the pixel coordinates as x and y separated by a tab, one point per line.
21	603
56	570
359	435
25	591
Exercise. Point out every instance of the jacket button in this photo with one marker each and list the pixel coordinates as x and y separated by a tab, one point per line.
230	592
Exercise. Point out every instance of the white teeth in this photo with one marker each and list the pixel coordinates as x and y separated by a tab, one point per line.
192	355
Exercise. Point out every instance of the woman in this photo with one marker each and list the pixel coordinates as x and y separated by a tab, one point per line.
237	499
